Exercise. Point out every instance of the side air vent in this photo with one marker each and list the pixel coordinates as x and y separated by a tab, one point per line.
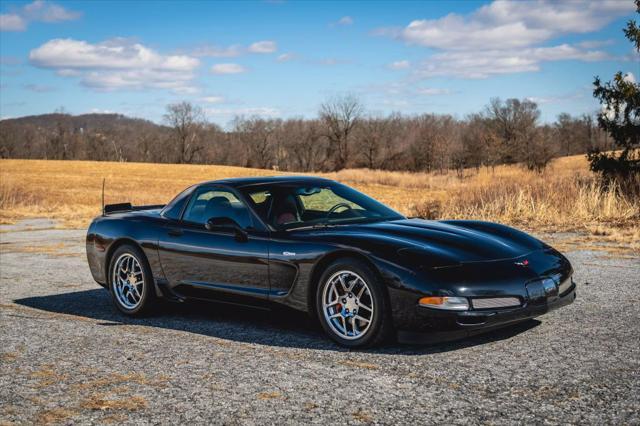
495	302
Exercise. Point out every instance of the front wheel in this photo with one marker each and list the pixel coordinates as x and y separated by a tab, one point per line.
131	283
351	304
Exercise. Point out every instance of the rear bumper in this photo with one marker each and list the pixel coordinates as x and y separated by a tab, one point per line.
448	326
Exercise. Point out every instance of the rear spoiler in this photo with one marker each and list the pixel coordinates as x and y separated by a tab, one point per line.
124	207
127	207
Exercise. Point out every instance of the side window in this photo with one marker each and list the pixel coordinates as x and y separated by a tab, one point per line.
214	202
261	202
174	208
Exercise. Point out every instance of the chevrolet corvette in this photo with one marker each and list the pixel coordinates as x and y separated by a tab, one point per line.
366	272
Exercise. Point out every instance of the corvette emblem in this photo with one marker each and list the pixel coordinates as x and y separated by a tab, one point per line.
523	263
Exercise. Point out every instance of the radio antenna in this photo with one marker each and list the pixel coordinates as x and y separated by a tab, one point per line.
103	180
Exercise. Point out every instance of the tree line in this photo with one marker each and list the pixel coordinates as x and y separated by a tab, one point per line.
342	136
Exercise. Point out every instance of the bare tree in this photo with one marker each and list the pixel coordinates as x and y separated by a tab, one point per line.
476	140
340	116
215	140
431	141
543	150
514	121
186	121
375	140
256	135
505	132
575	135
303	144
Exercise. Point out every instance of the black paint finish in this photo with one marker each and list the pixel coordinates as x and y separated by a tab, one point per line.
413	258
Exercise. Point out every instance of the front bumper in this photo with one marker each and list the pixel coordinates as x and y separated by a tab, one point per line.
446	326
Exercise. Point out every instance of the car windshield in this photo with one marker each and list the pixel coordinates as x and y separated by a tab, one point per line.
289	206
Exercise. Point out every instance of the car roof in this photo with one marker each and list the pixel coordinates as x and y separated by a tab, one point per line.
260	180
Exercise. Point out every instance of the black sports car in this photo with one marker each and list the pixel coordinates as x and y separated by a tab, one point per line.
315	245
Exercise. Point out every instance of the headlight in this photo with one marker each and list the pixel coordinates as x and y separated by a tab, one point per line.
563	286
447	303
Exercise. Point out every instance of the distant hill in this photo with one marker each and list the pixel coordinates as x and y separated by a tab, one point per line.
83	122
88	136
424	142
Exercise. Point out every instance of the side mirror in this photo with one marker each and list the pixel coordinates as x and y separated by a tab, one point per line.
226	224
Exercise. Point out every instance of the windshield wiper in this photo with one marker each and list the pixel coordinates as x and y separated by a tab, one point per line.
358	221
314	226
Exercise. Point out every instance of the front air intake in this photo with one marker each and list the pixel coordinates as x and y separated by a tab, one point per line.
495	302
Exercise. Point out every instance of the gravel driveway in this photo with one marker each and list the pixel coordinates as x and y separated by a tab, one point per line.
67	356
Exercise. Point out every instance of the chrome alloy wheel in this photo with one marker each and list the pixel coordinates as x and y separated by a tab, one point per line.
347	304
127	281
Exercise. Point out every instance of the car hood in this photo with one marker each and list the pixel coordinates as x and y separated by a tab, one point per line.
458	241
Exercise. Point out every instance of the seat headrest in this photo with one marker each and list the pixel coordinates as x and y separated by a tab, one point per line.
217	207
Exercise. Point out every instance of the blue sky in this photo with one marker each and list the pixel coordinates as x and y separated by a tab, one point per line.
283	59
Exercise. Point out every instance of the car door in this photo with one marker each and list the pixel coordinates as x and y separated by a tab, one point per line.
209	264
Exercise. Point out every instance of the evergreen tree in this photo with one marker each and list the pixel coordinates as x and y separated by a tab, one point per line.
620	117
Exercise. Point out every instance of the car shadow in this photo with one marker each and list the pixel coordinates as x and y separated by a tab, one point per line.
277	327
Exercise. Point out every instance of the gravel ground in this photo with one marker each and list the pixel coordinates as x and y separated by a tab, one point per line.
67	356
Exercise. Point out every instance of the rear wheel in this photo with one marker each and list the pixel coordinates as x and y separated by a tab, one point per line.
351	304
131	282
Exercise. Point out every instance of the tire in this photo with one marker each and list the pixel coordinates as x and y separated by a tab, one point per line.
132	303
338	320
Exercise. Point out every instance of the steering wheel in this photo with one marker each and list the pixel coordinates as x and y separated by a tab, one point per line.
336	207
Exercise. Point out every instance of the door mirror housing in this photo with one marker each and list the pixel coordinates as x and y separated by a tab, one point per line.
226	224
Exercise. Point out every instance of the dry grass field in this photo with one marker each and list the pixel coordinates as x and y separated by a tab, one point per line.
565	197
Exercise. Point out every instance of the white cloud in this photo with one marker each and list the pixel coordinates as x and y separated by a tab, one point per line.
400	65
396	103
45	11
116	64
139	79
219	52
212	99
68	73
214	51
563	98
228	69
185	90
265	46
566	51
38	88
433	91
111	54
560	99
388	89
629	77
12	22
594	44
506	36
286	57
511	24
344	21
37	11
331	61
472	64
230	112
453	32
100	111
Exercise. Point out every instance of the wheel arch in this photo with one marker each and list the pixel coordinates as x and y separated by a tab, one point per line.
328	259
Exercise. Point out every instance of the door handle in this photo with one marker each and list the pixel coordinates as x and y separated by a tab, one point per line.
175	232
